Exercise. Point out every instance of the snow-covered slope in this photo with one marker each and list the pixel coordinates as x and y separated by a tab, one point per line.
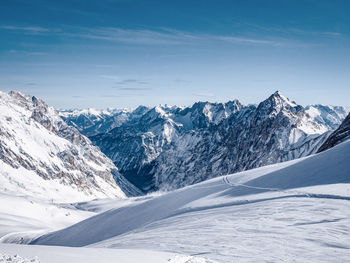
41	156
49	254
23	218
281	212
338	136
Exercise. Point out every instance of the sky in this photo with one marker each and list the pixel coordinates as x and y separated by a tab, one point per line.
124	53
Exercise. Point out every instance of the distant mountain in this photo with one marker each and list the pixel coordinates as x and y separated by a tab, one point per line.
330	116
274	131
164	147
338	136
91	121
41	155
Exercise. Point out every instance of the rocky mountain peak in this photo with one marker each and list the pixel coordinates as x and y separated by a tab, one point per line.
277	103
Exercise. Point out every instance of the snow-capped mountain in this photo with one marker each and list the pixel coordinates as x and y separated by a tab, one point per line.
331	116
169	147
92	121
134	145
276	130
338	136
40	155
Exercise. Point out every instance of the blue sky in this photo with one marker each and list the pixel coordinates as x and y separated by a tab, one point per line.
123	53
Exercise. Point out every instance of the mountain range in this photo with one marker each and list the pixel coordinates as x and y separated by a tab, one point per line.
168	147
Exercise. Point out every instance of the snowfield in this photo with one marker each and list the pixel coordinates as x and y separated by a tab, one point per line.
46	254
296	211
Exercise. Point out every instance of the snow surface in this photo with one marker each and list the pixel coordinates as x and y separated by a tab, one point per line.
23	218
295	211
16	259
46	254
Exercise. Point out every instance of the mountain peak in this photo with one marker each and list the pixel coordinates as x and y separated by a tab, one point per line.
278	94
278	98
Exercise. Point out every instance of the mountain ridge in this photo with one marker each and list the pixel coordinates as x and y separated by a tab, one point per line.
152	142
44	156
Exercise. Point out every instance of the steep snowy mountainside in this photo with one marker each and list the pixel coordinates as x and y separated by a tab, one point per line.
338	136
330	116
40	155
140	140
288	202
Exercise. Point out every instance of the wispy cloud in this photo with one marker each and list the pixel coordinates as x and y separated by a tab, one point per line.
273	30
31	29
31	84
183	81
26	52
123	83
121	95
313	33
242	40
131	81
135	88
144	37
164	36
112	77
203	94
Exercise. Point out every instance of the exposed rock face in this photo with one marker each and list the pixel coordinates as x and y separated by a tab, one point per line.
338	136
35	141
134	145
165	148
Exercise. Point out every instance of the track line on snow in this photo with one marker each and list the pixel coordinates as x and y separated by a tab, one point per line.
226	181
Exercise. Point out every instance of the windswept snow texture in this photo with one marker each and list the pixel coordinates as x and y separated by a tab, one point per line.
24	218
41	156
338	136
90	255
16	259
293	211
165	148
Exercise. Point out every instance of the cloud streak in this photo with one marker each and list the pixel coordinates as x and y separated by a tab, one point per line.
134	88
203	94
122	82
166	37
163	36
25	52
31	29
